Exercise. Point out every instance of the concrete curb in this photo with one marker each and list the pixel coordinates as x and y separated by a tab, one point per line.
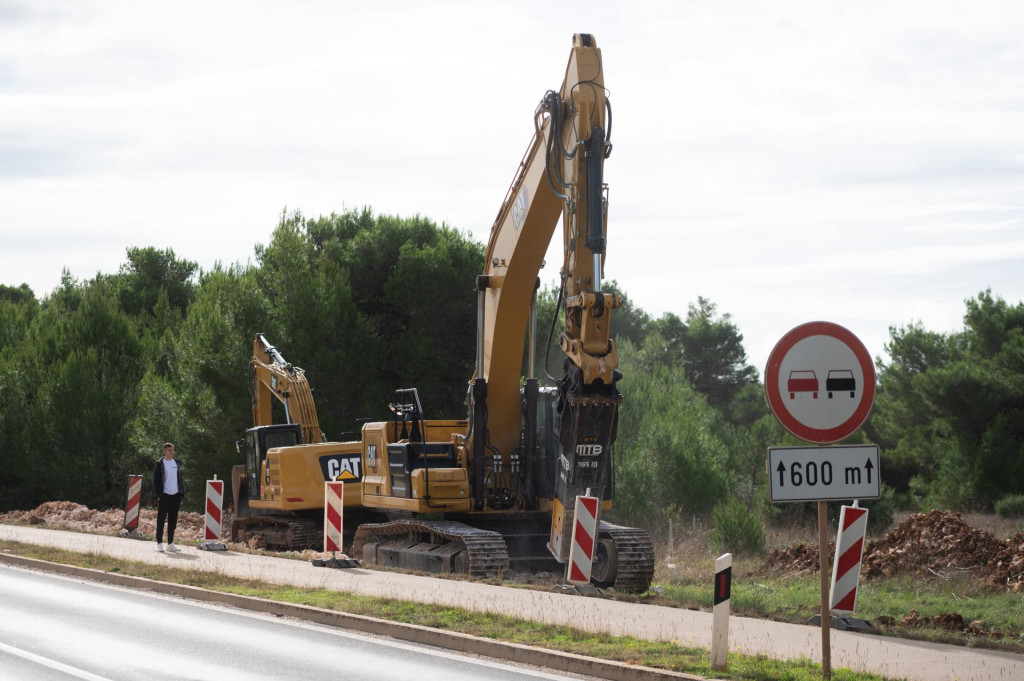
464	643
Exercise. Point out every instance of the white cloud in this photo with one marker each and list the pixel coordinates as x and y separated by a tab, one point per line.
786	160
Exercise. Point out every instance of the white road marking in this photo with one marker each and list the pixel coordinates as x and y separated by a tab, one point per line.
52	664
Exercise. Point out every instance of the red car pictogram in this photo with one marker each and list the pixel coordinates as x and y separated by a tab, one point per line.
802	381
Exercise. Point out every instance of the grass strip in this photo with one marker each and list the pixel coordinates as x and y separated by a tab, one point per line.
659	655
796	599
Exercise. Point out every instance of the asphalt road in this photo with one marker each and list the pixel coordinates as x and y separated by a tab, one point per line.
56	628
892	657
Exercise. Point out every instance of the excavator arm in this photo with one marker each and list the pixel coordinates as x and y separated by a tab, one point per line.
561	174
271	377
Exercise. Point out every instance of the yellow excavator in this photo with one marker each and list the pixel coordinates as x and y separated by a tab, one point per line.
496	490
278	492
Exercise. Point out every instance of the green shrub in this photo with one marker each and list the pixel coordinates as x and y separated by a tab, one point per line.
737	530
881	511
1011	506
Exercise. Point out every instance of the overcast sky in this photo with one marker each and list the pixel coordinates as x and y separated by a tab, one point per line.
855	162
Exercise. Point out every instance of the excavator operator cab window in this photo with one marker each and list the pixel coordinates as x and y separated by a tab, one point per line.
260	440
280	438
252	463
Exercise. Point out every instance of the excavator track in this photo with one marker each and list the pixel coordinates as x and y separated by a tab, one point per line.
624	558
437	546
277	532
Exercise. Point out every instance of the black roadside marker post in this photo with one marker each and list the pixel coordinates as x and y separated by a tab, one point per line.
720	622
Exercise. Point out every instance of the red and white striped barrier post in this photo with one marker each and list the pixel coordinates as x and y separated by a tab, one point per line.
720	621
334	498
214	506
584	537
334	510
853	525
131	507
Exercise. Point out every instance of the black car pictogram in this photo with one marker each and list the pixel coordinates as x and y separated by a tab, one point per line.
840	380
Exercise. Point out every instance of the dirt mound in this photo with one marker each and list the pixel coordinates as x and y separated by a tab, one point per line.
940	542
67	515
798	559
936	543
950	621
1010	563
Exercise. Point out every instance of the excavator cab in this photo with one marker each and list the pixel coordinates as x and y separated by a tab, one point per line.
412	452
255	445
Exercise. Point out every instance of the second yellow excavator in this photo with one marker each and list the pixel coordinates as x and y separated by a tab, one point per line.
279	491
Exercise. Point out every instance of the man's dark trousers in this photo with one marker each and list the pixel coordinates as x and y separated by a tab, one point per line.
167	511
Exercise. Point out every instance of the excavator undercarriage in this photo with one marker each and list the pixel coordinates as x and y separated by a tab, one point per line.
624	556
277	532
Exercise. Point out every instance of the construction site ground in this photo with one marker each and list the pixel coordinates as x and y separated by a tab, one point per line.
926	543
891	657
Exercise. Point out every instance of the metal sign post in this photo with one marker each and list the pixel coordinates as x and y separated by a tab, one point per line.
826	640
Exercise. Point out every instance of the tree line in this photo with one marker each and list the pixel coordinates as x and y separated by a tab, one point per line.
97	374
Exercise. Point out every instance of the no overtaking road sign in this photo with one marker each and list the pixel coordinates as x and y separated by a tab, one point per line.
820	382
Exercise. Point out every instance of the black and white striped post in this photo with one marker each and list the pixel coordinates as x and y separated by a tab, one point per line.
720	621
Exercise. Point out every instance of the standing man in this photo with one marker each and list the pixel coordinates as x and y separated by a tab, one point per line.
169	488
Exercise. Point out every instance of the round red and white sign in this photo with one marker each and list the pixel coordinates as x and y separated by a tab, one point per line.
820	382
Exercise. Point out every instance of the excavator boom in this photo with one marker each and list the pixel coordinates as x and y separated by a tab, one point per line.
271	377
562	174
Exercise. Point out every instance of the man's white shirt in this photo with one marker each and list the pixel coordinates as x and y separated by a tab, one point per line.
170	477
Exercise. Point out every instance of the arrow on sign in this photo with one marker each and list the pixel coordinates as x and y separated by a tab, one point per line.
869	467
782	474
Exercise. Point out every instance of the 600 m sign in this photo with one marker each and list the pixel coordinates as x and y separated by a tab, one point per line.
823	473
